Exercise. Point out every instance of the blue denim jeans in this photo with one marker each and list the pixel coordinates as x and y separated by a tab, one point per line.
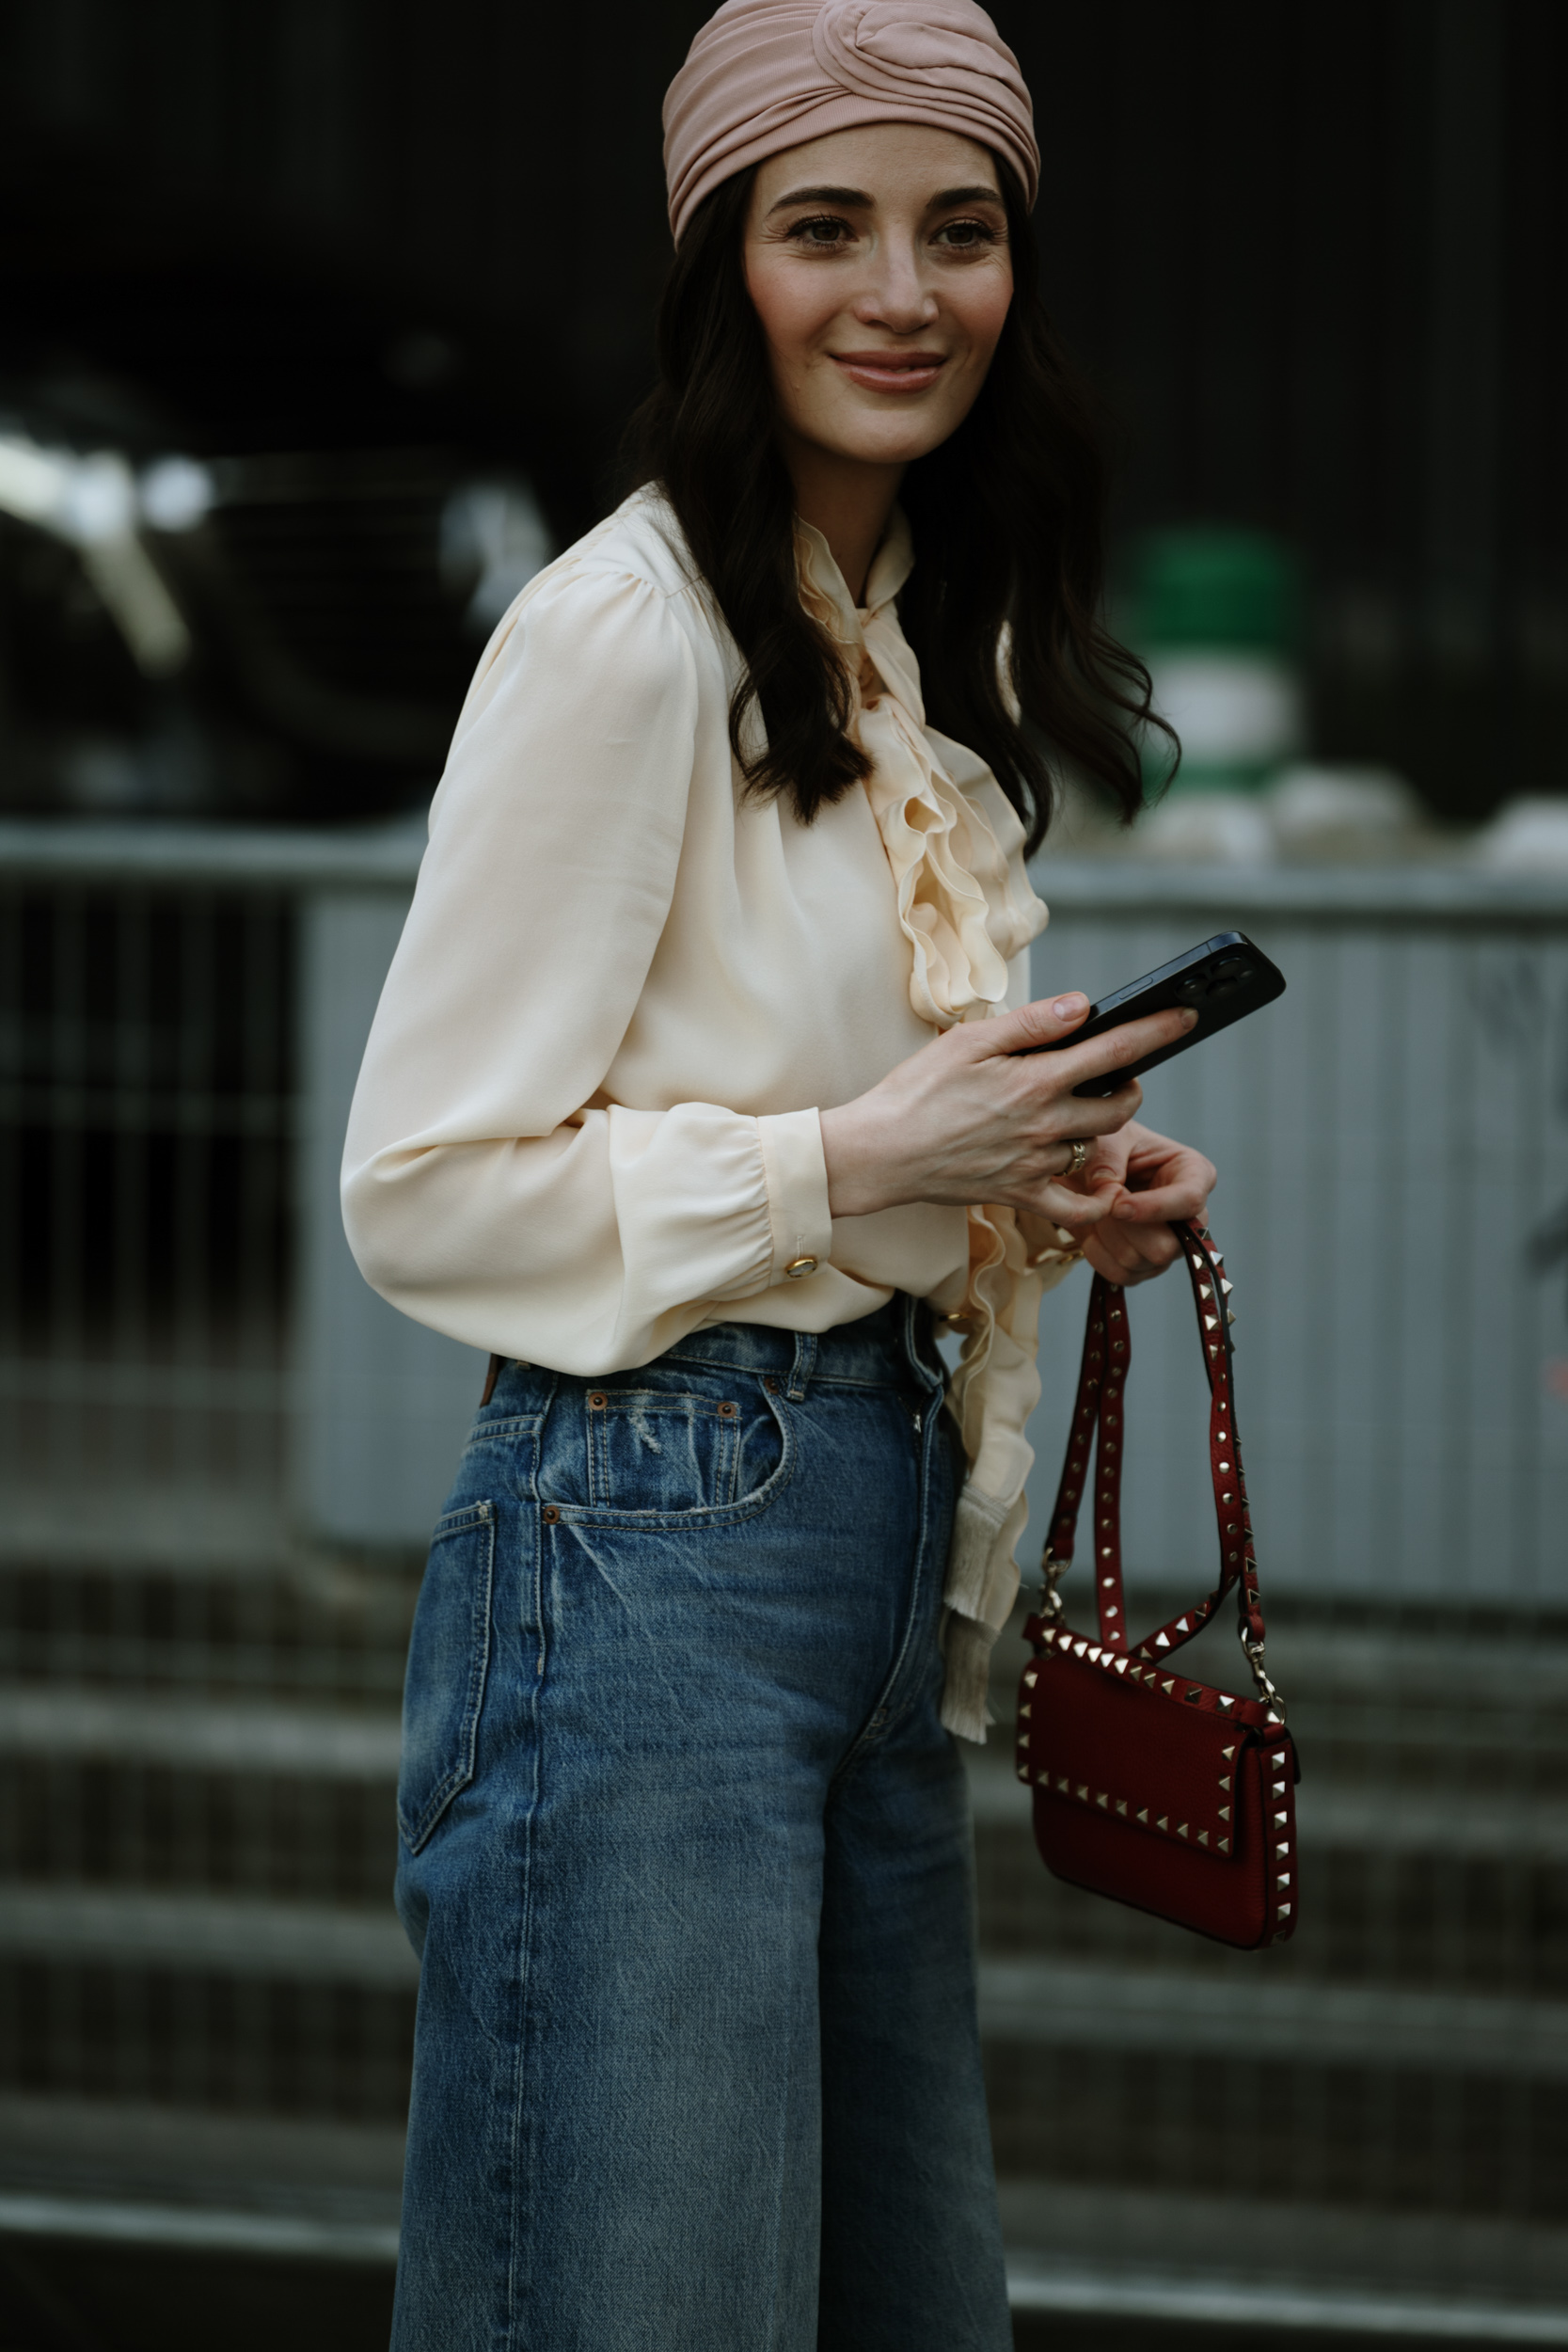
686	1853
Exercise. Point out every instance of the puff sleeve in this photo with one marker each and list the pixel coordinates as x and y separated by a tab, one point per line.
490	1187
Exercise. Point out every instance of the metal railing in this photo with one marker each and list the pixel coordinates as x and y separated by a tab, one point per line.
220	1453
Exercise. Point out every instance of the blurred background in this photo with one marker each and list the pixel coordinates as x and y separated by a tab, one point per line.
318	327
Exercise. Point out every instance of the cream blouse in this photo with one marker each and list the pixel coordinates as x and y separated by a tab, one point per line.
587	1119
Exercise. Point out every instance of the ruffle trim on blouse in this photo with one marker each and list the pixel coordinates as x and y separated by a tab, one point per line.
966	909
963	903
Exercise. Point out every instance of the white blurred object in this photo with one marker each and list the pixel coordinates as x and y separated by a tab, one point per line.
493	538
1230	709
176	494
91	502
1341	812
1209	829
1528	835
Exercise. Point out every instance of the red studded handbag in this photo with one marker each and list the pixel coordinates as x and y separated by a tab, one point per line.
1147	1787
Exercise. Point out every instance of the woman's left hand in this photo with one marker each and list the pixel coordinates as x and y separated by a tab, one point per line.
1147	1180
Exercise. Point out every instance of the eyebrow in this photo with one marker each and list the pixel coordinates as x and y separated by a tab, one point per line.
858	197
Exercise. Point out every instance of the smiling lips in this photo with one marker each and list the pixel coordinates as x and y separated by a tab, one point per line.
891	370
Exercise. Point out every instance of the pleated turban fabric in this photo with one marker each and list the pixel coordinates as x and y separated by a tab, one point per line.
763	75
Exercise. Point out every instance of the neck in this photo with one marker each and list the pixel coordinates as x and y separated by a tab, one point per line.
847	499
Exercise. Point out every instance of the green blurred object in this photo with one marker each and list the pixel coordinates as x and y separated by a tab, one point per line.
1216	616
1213	588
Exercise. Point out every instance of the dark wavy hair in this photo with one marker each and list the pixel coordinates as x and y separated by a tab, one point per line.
1008	523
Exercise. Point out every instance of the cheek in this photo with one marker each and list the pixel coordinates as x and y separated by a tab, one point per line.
980	305
793	311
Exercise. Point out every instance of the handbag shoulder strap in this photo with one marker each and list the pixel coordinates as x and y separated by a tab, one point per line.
1099	1423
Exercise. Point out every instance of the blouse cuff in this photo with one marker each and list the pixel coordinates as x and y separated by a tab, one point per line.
796	1173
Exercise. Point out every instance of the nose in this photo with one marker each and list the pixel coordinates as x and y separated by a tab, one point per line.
897	297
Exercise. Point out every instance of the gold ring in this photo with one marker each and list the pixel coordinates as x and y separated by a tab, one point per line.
1079	1148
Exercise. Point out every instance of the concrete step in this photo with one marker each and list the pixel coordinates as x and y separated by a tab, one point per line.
181	2176
91	1723
246	1936
1210	2260
1258	2020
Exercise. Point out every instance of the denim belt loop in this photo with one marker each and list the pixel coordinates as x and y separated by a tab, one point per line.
802	1367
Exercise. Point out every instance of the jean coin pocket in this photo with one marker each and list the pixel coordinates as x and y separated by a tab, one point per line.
449	1654
658	1449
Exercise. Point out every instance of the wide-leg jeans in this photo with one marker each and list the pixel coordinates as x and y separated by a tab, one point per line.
685	1854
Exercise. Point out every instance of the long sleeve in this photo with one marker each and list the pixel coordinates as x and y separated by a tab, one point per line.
491	1185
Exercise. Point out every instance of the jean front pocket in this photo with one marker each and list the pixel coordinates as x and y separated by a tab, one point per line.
449	1656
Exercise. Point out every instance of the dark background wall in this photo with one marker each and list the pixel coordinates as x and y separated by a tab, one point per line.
1313	251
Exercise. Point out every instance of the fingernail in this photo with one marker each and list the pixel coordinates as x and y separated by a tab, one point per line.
1072	1008
1188	1017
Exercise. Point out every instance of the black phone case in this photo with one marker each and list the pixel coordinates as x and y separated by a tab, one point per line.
1224	979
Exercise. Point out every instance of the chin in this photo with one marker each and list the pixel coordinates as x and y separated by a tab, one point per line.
893	441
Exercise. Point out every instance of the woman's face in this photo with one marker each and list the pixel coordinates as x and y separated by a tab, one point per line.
877	260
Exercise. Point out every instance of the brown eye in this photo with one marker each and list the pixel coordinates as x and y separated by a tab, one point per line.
965	236
825	233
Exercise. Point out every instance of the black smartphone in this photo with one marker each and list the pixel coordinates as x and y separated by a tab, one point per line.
1223	979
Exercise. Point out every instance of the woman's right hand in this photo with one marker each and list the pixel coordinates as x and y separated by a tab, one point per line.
975	1115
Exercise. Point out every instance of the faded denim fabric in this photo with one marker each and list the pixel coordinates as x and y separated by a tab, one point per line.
687	1854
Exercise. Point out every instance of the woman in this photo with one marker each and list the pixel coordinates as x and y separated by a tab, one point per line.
699	1092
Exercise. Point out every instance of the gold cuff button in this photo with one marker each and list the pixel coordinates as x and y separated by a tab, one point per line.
799	1268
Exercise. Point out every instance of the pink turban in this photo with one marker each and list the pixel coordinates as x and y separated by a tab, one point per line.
763	75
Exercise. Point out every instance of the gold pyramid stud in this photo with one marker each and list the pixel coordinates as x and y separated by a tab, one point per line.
1203	1838
1227	1753
1023	1711
1167	1682
1062	1784
1225	1845
1225	1700
1085	1790
1283	1880
1224	1813
1282	1853
1225	1777
1121	1806
1102	1798
1162	1641
1079	1647
1144	1815
1281	1820
1182	1829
